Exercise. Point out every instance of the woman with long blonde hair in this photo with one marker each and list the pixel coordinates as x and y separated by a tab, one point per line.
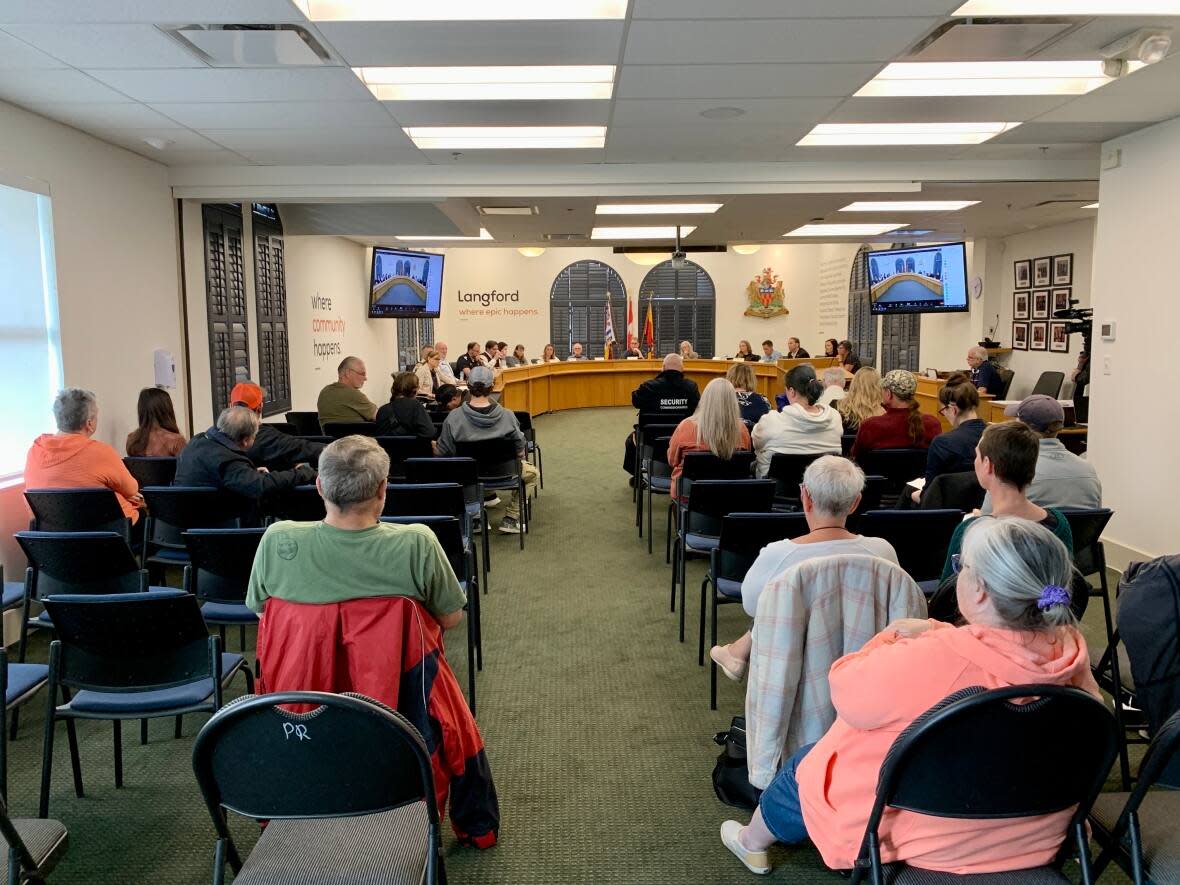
863	399
715	427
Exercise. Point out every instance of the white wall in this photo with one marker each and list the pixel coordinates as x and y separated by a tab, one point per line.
1132	444
115	240
946	337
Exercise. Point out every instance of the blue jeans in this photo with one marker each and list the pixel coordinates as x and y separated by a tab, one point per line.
780	802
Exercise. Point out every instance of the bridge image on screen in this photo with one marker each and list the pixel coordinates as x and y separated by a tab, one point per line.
399	280
909	278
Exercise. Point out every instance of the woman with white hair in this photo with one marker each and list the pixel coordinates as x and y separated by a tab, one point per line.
830	492
1011	590
716	426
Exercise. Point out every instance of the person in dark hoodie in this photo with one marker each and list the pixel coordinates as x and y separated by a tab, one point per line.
668	392
272	448
404	414
218	458
481	419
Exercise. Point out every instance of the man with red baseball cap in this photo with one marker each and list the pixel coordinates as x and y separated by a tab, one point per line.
272	448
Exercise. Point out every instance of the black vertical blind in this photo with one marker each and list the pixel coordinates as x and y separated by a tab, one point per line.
225	294
577	308
270	291
684	308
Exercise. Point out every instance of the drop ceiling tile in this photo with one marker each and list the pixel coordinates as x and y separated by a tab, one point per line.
499	113
1040	132
191	158
392	140
686	112
726	143
104	115
1056	153
183	140
32	88
233	85
761	40
735	9
376	152
147	11
1115	108
17	55
278	115
742	81
941	108
108	46
475	43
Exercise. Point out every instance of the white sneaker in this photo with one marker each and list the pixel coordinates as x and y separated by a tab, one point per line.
493	501
755	861
730	665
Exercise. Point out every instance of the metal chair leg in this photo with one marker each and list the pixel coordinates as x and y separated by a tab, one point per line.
712	663
118	728
675	552
142	731
179	726
75	760
683	582
701	630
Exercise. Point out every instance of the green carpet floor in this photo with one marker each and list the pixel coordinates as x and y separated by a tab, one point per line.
596	719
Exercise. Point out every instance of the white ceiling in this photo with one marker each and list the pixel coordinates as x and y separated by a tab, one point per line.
107	67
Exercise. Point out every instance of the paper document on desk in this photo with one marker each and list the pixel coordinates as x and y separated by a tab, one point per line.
917	484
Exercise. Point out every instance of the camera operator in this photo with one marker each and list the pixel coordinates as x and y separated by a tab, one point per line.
1081	383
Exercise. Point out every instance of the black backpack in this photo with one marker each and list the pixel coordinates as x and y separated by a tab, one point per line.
731	777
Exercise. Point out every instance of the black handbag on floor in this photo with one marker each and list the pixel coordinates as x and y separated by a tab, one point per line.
731	777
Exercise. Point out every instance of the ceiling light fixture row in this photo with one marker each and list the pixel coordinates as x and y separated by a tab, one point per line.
496	83
873	134
469	138
460	10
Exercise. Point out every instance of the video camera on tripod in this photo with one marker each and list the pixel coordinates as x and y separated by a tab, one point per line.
1080	320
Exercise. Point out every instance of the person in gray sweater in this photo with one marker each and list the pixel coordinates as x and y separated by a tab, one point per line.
481	419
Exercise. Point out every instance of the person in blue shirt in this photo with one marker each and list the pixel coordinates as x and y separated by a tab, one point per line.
751	404
954	451
769	354
984	374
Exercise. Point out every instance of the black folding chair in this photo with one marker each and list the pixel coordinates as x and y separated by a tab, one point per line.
643	419
1140	830
531	447
704	465
920	537
171	510
341	429
364	810
460	556
846	441
13	592
787	473
743	535
957	491
129	656
898	466
434	499
499	469
654	476
401	448
699	530
20	682
77	510
960	734
870	499
218	574
301	504
305	423
151	471
1049	384
283	427
643	457
35	846
316	438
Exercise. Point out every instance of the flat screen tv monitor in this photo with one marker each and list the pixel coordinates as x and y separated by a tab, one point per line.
930	279
405	284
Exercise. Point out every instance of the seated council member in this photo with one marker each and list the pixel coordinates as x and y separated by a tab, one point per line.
954	451
795	350
71	459
716	426
342	400
1019	629
984	374
446	375
831	347
802	427
668	392
549	354
1061	479
272	448
576	352
517	357
833	381
902	426
745	352
632	348
427	373
157	435
849	360
686	351
769	354
751	404
404	414
830	492
468	360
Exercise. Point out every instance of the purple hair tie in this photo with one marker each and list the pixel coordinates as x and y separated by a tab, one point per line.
1052	595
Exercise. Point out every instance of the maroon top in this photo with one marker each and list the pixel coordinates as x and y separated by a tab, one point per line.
890	431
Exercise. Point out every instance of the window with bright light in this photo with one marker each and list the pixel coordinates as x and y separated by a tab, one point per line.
30	336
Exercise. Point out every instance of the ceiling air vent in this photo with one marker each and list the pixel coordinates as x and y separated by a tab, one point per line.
560	237
251	46
990	39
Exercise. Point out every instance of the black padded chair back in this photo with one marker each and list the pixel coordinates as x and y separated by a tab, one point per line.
151	471
425	499
176	508
494	458
710	500
1160	765
302	504
349	755
706	465
448	530
80	562
1006	376
76	510
306	423
1049	384
131	641
870	499
401	448
673	418
221	560
525	420
743	535
317	438
283	427
846	441
341	429
1087	527
464	471
650	434
898	466
920	537
959	491
787	472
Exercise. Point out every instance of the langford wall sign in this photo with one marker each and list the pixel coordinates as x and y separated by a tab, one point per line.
481	305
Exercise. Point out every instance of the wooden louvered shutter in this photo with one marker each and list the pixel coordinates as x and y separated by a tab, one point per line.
683	307
577	308
270	289
225	293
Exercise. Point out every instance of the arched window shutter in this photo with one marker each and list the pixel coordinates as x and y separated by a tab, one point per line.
577	308
684	308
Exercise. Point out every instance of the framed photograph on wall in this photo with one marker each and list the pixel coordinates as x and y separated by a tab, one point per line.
1042	271
1040	304
1020	305
1023	274
1059	337
1020	336
1063	270
1038	335
1060	299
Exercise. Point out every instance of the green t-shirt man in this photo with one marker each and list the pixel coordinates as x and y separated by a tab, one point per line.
343	402
313	562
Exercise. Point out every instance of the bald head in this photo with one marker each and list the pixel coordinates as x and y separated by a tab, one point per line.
673	363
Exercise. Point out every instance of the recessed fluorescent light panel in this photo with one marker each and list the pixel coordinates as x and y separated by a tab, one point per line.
656	208
1023	8
842	230
638	233
508	210
910	206
471	138
1091	206
828	134
501	83
460	10
483	235
986	78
